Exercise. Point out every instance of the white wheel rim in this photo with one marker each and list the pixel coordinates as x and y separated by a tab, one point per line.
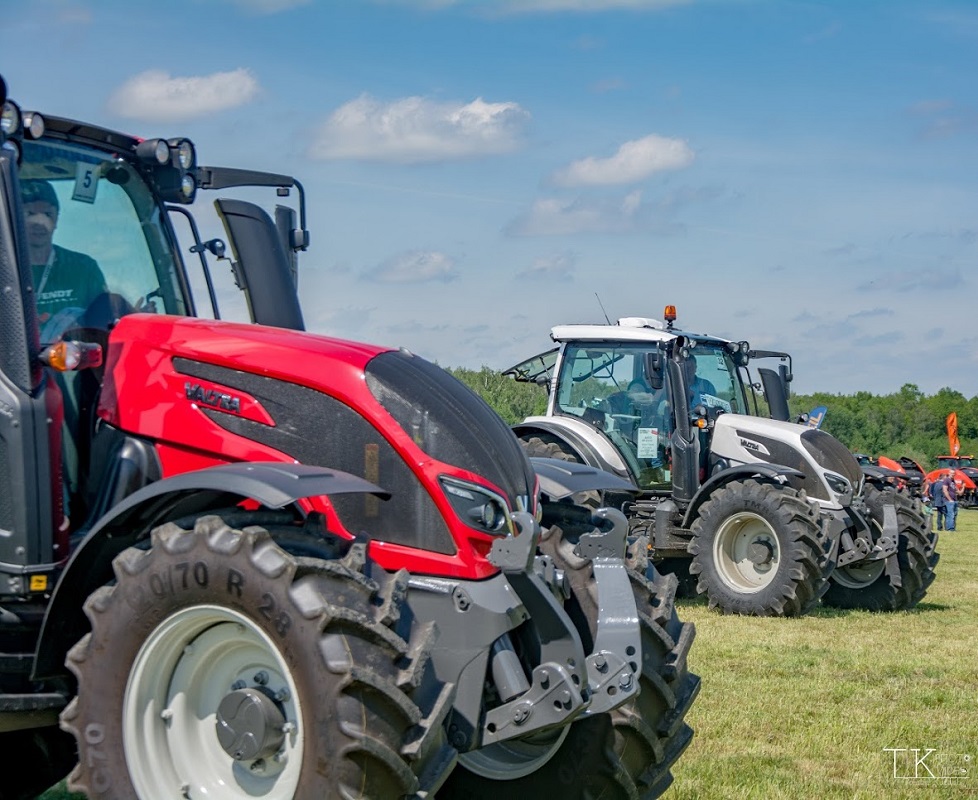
516	758
859	576
186	666
862	573
739	536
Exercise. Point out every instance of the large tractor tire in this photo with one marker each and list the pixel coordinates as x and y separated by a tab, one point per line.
536	446
626	753
37	759
758	550
550	447
685	581
871	585
219	665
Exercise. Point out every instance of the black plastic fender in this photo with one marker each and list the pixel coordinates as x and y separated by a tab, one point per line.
772	472
273	485
561	479
578	444
881	475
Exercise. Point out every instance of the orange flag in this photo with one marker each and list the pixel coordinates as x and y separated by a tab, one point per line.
952	433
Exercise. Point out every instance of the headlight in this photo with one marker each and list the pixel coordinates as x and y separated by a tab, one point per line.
477	506
184	153
188	186
34	124
154	150
10	118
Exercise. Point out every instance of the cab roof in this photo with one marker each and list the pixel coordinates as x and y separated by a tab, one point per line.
627	329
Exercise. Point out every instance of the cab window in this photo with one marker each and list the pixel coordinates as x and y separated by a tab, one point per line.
105	235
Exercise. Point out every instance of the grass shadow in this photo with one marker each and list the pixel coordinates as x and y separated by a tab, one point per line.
829	612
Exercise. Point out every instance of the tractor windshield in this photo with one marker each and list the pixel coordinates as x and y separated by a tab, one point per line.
623	390
714	380
610	387
97	238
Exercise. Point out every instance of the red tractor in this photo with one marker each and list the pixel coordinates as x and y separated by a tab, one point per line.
965	477
205	590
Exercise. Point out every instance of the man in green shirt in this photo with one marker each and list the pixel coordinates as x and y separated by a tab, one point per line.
63	279
65	285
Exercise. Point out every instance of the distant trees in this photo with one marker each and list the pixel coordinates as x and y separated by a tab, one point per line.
907	423
513	401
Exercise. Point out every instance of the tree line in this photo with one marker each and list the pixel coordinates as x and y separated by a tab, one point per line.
906	423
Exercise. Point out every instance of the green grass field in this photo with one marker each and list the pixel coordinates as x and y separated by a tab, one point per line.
830	705
806	708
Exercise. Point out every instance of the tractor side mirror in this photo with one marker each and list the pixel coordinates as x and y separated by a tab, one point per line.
653	369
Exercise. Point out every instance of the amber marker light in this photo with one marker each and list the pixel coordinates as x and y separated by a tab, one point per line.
669	314
70	356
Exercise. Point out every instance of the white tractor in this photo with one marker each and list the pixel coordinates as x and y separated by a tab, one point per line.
764	515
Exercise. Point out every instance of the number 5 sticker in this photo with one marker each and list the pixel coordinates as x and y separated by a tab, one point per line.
86	182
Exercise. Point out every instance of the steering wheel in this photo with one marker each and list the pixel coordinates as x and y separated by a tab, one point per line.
101	315
53	328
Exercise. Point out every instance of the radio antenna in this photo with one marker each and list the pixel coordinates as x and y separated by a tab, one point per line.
602	309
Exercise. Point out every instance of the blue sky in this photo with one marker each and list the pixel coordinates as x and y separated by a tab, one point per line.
803	175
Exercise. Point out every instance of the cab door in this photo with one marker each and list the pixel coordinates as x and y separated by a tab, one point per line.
30	410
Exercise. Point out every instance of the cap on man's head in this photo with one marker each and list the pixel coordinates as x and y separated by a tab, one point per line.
37	191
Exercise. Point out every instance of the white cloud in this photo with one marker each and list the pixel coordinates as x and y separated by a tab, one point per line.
417	130
342	321
556	268
562	216
415	266
635	161
947	280
871	313
155	96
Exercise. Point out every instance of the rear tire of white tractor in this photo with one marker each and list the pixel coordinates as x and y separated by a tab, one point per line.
538	447
758	550
219	665
627	753
535	446
869	586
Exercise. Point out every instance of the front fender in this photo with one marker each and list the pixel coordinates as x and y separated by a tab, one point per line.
587	442
881	475
561	479
273	485
770	472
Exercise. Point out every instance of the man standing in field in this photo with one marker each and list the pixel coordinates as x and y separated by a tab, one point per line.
950	491
938	501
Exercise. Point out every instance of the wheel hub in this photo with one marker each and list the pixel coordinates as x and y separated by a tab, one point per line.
250	725
746	552
760	552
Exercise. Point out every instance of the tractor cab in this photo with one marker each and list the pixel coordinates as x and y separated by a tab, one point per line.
102	205
89	213
95	226
955	462
635	382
